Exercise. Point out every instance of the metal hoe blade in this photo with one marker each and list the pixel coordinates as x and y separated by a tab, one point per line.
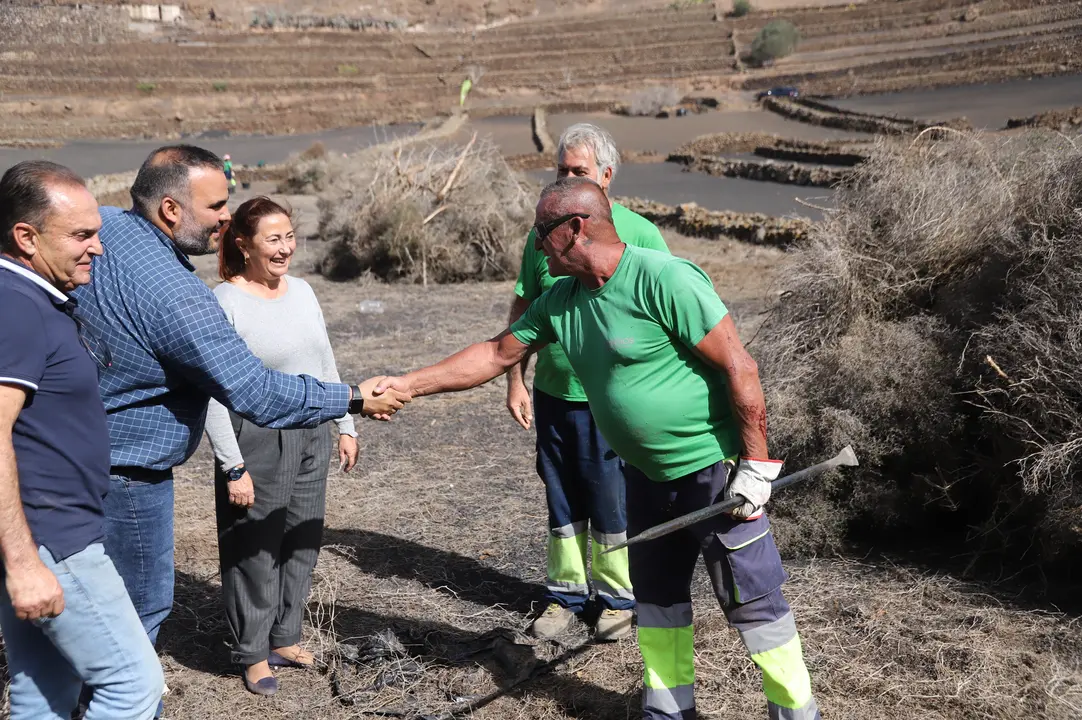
845	458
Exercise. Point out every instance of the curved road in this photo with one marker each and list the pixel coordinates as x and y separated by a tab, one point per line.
986	105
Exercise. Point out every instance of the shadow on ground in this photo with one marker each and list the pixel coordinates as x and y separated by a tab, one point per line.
388	556
196	636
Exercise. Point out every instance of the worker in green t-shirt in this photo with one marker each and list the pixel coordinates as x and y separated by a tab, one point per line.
677	396
584	483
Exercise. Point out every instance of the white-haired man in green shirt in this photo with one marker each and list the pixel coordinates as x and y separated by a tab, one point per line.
584	483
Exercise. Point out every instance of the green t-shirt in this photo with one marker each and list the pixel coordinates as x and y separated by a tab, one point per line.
553	374
661	407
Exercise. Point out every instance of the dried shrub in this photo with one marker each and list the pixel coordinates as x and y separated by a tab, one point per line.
934	320
777	39
439	213
653	100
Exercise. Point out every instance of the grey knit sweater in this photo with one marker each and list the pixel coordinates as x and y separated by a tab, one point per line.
288	334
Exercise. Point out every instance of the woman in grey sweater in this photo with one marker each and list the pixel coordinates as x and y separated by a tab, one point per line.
270	485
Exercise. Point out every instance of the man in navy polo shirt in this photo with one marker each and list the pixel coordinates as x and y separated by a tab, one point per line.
65	615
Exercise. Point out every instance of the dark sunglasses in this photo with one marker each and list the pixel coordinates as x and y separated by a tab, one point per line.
543	229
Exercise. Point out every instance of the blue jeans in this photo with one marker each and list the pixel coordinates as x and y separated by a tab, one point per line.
97	640
584	487
139	539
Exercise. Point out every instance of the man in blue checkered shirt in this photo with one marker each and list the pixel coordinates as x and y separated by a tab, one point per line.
171	349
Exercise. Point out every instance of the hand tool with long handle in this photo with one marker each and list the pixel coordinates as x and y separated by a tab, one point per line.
846	458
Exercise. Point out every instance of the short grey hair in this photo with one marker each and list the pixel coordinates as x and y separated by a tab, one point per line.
597	139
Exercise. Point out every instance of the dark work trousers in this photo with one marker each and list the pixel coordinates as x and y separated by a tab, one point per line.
746	572
267	552
584	486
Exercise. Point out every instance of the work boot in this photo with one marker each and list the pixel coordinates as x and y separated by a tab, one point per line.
552	622
613	625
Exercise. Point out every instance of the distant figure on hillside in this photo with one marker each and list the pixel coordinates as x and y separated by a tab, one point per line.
584	482
271	485
675	393
173	349
64	613
228	167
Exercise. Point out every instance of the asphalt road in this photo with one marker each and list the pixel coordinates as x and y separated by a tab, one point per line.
986	105
668	183
102	157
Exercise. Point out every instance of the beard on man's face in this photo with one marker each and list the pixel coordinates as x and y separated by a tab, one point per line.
193	239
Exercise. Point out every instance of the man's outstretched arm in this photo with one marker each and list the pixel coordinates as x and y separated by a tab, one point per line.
466	369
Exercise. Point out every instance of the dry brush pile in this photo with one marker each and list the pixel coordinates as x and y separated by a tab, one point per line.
418	213
934	321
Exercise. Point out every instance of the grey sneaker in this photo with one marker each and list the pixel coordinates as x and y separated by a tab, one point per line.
613	625
552	622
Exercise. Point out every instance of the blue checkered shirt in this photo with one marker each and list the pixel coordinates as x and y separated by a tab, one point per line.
172	348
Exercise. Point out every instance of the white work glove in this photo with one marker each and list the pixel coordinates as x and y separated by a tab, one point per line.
752	480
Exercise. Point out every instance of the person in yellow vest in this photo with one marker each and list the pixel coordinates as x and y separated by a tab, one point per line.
584	483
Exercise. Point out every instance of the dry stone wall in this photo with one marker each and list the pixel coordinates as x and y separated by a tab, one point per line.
695	221
82	24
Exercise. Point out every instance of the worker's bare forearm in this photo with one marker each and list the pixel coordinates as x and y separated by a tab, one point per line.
517	373
749	409
466	369
17	548
722	349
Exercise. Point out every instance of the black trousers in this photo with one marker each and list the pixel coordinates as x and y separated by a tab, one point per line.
267	552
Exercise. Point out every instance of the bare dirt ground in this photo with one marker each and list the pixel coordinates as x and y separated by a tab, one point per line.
206	77
437	541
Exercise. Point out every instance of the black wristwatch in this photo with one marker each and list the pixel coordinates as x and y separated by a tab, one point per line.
356	405
235	473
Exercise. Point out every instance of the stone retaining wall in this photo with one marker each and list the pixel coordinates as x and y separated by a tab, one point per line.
1064	120
774	147
541	138
817	113
819	157
768	171
694	221
48	24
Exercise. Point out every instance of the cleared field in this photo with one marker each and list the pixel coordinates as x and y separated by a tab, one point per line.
305	81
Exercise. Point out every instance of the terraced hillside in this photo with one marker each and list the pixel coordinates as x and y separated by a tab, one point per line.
131	85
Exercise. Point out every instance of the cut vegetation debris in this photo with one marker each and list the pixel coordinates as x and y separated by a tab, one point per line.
934	321
437	213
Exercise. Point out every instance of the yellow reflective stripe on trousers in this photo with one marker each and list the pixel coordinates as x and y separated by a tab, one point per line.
567	559
667	644
668	656
612	575
785	677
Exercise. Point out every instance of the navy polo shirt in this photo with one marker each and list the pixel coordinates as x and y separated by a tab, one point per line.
60	437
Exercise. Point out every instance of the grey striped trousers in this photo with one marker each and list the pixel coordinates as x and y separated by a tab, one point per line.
267	552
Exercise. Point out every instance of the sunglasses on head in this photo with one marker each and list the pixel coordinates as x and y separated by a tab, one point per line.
543	229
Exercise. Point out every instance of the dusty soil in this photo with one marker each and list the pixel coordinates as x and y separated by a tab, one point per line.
437	539
200	77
